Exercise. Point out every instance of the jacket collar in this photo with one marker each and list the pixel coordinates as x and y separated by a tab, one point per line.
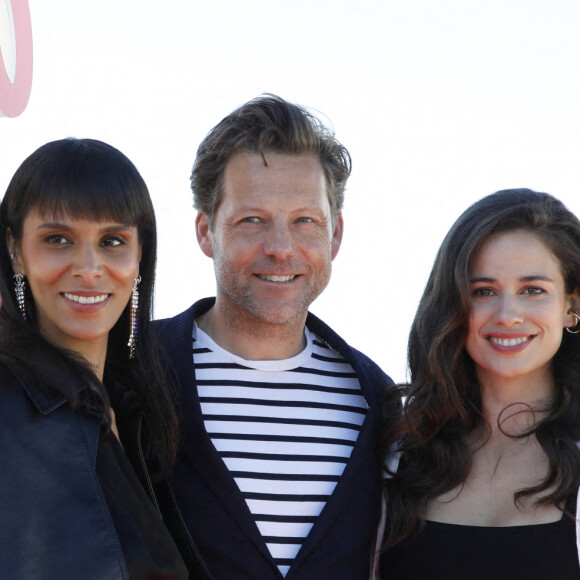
46	399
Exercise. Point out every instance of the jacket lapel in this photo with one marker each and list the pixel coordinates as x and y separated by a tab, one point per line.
196	448
356	473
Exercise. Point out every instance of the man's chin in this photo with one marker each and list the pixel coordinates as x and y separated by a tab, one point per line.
278	314
252	309
278	318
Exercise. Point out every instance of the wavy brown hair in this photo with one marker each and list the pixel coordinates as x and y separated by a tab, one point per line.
442	403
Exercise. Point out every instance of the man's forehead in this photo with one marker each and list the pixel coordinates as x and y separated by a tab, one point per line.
271	159
285	177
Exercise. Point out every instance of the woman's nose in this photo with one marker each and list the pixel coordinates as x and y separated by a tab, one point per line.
86	263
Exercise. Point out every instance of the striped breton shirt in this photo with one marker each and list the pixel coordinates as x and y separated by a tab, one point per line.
285	429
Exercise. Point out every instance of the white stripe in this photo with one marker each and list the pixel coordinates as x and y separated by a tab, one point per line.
288	412
283	529
284	467
281	429
284	447
281	378
285	487
285	508
280	395
284	550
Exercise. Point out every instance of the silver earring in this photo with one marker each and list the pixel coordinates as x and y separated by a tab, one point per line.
134	321
19	286
577	318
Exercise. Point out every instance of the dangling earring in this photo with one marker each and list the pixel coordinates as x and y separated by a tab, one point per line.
577	319
19	286
134	322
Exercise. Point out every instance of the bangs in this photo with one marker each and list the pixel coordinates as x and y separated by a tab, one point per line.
81	179
95	198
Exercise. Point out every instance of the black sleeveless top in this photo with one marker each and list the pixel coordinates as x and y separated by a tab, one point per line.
453	552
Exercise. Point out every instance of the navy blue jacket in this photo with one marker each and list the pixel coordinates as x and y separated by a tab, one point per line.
207	512
55	522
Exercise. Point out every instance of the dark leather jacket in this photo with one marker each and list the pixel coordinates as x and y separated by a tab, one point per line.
54	519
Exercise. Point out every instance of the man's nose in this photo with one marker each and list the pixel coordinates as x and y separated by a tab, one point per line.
279	242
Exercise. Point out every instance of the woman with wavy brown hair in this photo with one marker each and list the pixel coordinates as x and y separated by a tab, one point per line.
482	463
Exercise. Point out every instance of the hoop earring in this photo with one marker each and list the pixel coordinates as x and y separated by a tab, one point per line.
134	320
19	286
577	318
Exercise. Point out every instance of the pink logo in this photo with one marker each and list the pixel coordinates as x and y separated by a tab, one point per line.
15	92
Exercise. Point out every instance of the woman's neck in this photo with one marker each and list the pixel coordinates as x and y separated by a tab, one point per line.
515	406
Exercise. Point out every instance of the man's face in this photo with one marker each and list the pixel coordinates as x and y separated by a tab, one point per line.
273	238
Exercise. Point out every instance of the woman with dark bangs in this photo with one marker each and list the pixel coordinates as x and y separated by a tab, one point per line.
81	378
482	461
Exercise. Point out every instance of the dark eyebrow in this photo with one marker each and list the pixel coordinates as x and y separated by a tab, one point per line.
530	278
108	229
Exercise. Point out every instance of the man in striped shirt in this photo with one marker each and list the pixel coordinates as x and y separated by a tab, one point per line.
277	475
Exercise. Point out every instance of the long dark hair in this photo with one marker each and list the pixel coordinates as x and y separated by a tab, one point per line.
87	179
442	404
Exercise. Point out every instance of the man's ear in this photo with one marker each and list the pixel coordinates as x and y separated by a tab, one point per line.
204	236
338	228
15	253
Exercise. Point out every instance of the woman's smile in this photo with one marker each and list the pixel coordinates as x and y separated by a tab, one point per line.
80	273
519	307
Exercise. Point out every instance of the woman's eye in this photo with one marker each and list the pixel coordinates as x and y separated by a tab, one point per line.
483	292
57	239
251	220
534	291
112	242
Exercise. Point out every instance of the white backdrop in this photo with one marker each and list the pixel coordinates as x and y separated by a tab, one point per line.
440	102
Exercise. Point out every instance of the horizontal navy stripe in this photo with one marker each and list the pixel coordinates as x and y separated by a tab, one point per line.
311	371
284	476
283	540
284	421
284	457
284	561
324	373
248	437
330	359
284	497
276	386
285	404
284	519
